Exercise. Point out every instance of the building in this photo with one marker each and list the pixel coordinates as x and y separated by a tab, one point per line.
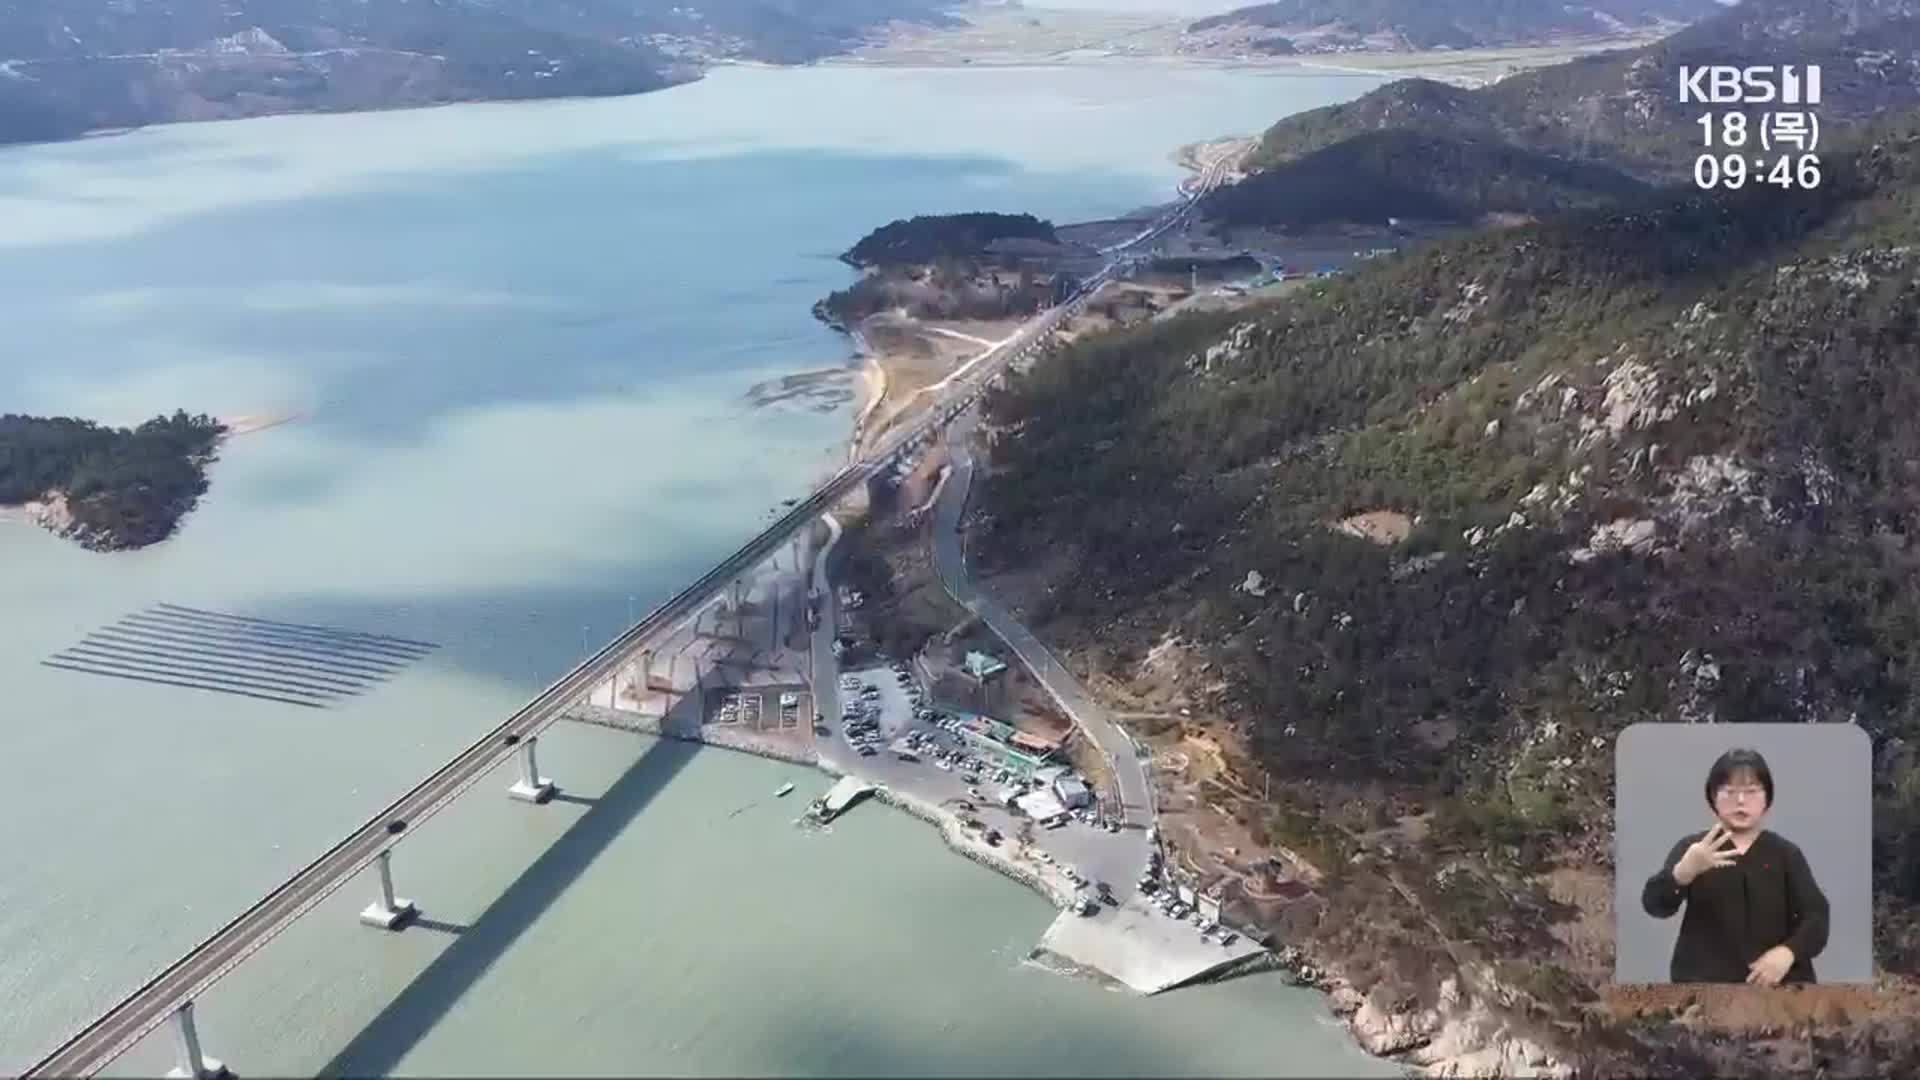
1041	805
984	670
982	666
1051	773
1072	793
1000	742
1033	744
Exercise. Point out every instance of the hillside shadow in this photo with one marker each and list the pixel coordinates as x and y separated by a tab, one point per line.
409	1017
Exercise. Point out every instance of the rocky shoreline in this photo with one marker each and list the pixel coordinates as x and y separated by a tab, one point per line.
1455	1038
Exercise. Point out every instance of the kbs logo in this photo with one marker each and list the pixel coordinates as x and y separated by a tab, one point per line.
1724	84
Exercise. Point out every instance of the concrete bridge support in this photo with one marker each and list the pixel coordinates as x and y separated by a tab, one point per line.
387	912
531	787
194	1065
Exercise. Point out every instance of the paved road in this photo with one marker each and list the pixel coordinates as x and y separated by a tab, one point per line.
1130	776
826	670
91	1049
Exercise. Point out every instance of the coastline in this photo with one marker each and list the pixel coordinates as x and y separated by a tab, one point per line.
51	510
1460	1035
945	821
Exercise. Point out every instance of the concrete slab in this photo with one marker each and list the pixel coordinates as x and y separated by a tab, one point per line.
843	794
1141	947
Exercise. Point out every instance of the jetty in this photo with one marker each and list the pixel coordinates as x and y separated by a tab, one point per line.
846	792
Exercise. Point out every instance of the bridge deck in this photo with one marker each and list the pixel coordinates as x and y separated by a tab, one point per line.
99	1043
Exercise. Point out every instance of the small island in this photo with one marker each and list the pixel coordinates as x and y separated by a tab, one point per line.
979	266
106	488
927	237
937	290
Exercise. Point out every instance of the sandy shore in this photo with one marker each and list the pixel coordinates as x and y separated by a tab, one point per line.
996	36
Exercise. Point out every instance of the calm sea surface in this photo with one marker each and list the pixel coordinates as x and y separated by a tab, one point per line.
520	341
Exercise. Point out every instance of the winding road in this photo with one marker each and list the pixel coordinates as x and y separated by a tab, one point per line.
950	559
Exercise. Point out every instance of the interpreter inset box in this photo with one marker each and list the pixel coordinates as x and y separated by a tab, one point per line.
1743	854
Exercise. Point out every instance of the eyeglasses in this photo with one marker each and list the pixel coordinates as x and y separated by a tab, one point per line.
1732	792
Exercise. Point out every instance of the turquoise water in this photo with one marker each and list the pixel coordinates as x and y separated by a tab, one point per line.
519	339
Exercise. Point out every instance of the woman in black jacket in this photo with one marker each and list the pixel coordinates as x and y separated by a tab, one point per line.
1754	912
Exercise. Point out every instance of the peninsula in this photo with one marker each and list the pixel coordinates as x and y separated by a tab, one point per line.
72	68
1584	430
106	488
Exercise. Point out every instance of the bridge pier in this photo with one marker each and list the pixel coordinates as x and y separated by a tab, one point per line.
531	787
387	913
194	1065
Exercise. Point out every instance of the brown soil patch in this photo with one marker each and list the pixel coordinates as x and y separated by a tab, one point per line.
1385	527
1747	1009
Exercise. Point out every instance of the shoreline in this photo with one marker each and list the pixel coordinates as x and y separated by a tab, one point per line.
1459	1036
944	821
51	511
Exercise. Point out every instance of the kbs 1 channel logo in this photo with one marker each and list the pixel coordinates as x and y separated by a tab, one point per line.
1774	146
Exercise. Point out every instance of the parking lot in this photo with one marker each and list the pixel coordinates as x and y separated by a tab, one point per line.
884	714
759	708
1143	947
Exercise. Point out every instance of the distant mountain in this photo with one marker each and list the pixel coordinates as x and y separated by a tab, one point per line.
69	66
1336	25
1624	107
1620	110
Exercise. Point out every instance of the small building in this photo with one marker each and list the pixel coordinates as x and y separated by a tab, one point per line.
1050	773
995	740
1040	805
982	666
1072	793
1033	744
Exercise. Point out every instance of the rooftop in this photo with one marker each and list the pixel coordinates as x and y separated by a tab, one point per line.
983	665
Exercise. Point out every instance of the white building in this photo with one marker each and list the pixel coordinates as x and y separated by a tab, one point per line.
1072	793
1040	805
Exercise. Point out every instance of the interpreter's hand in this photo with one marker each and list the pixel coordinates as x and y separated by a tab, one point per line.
1704	855
1771	967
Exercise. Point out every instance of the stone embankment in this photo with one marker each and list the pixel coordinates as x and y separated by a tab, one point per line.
1059	892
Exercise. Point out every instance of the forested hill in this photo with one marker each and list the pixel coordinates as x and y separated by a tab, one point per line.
1624	109
1405	173
1332	25
1571	135
1652	464
930	237
75	65
121	487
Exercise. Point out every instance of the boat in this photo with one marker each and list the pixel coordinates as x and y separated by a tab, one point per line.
785	789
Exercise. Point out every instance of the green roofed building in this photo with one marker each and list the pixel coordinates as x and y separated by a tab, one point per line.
983	666
1002	743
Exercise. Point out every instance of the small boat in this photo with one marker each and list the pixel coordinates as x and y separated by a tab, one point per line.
785	789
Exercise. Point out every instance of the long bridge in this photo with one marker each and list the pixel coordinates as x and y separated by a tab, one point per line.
169	996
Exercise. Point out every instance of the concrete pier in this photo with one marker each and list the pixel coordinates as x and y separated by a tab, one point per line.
194	1065
531	787
842	795
1142	947
388	912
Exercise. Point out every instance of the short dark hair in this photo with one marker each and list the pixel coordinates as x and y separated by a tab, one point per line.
1733	761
